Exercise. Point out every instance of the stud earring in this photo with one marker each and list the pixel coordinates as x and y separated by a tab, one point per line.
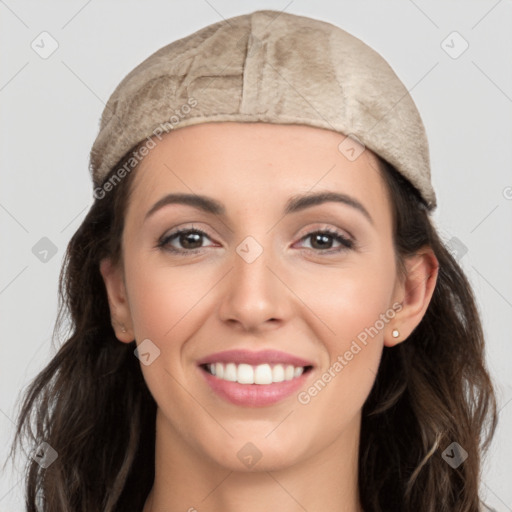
123	329
395	333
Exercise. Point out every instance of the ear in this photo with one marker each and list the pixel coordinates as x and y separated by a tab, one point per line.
414	294
117	299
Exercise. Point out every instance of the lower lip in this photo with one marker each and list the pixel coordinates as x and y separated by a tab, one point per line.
254	395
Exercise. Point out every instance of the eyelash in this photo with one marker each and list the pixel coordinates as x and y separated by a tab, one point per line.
346	243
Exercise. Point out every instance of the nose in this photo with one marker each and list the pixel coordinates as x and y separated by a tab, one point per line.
253	295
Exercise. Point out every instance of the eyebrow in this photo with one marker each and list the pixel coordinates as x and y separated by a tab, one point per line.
294	204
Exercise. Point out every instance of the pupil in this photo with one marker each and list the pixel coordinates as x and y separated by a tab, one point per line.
322	238
186	237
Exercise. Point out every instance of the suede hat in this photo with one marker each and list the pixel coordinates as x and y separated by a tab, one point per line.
272	67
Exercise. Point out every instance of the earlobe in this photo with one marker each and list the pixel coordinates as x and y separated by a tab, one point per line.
117	299
417	290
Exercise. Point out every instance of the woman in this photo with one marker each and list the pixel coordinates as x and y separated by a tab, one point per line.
263	314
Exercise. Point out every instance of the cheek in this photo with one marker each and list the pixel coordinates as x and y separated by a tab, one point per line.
166	306
348	299
350	310
161	297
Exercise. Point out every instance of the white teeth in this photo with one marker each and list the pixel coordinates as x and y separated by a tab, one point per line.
297	372
245	374
230	372
278	373
261	374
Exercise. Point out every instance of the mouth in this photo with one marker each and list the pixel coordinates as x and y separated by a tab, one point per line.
262	374
255	379
255	386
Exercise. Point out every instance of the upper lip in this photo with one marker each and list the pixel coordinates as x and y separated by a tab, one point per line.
254	358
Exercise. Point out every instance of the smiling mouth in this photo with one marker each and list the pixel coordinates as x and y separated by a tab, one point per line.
262	374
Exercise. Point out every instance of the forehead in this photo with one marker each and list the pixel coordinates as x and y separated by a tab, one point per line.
253	165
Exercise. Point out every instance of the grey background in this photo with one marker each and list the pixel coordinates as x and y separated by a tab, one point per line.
50	111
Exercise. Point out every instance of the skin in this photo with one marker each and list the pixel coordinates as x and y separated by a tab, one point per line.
293	298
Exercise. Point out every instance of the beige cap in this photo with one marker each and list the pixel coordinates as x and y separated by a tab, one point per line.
272	67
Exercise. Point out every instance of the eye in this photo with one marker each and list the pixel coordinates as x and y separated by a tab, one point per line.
190	239
322	240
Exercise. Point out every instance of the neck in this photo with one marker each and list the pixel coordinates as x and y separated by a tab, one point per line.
186	480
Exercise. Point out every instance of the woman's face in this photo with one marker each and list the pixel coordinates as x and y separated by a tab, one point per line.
265	275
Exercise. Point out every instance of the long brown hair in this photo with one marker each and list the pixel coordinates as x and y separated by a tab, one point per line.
92	406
